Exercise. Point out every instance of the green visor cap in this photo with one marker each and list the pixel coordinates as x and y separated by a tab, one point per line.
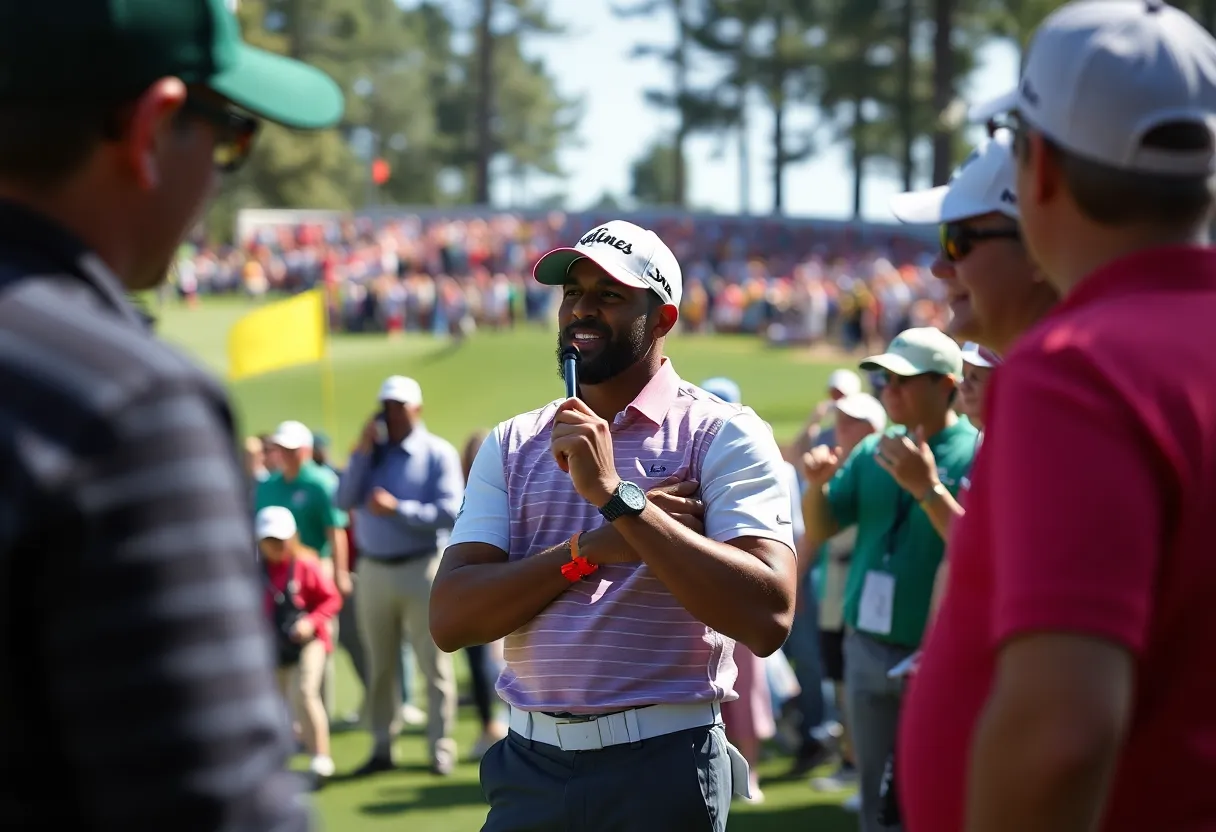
114	49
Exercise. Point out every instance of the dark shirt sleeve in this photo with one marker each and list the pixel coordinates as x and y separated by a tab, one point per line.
155	641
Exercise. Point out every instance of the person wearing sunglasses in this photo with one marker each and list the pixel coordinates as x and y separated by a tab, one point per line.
130	597
898	548
994	290
1064	683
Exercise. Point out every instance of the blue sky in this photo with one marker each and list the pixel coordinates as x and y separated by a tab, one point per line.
592	61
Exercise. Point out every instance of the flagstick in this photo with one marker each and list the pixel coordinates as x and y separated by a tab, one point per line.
328	399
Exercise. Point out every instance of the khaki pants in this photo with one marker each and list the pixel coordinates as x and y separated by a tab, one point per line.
394	602
301	687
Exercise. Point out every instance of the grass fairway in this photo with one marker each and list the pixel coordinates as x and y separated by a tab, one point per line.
491	377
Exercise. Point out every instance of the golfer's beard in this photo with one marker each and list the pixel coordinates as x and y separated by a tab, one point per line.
617	356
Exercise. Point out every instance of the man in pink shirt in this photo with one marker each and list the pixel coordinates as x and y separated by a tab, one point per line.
1066	683
620	604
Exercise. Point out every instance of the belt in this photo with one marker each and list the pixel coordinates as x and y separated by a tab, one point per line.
392	560
592	733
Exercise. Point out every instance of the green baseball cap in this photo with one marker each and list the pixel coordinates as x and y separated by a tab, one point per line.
110	49
921	350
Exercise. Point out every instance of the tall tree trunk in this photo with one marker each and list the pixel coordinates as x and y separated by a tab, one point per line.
297	27
485	103
779	151
681	79
907	105
859	155
778	99
745	158
943	89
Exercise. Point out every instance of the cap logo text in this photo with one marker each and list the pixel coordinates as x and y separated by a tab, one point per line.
657	276
599	235
1008	196
1028	92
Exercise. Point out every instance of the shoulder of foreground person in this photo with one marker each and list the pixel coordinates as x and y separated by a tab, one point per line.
120	458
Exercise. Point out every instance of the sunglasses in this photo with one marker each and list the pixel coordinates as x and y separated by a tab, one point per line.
234	132
894	381
958	240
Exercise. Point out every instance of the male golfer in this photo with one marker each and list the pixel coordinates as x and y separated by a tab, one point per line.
620	607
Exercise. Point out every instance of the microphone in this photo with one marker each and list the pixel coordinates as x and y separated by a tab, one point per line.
570	359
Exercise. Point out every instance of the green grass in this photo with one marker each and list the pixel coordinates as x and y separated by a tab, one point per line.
489	378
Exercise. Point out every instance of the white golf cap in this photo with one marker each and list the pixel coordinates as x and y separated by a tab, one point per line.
292	436
1101	74
275	522
920	350
978	356
401	389
844	382
865	407
985	183
724	389
629	254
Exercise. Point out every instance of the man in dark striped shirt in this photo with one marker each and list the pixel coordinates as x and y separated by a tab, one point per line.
136	686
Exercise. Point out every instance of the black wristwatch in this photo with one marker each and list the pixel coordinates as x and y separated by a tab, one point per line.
627	501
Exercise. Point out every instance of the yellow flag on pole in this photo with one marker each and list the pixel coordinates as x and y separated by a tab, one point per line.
283	334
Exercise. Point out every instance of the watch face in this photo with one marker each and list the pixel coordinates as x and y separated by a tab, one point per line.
632	495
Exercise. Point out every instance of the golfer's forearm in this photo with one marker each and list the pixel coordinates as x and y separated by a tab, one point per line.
735	592
482	602
821	526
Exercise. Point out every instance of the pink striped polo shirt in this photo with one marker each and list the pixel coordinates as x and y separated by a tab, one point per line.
618	638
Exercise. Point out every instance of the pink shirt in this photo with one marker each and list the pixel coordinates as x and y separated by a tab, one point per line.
618	638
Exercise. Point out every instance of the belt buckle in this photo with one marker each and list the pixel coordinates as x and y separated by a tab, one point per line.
579	734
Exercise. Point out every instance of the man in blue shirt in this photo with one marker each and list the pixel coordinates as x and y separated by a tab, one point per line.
405	486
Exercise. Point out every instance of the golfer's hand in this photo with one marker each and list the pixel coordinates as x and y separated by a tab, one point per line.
582	445
682	503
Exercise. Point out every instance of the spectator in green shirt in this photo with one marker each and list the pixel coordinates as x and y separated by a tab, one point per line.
308	490
898	550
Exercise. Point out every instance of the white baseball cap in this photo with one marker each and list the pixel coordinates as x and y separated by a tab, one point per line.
629	254
978	356
401	389
919	350
292	436
865	407
844	382
275	522
1100	74
724	389
985	183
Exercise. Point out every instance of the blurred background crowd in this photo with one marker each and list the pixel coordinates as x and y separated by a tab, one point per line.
795	282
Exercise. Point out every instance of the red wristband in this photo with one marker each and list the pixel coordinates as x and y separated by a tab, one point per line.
578	567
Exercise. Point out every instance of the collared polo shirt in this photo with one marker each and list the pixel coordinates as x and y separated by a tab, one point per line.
894	535
618	638
310	496
424	473
1091	513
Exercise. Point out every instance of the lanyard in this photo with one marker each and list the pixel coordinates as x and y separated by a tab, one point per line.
903	508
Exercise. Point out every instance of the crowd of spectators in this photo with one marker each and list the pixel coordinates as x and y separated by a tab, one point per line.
793	281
